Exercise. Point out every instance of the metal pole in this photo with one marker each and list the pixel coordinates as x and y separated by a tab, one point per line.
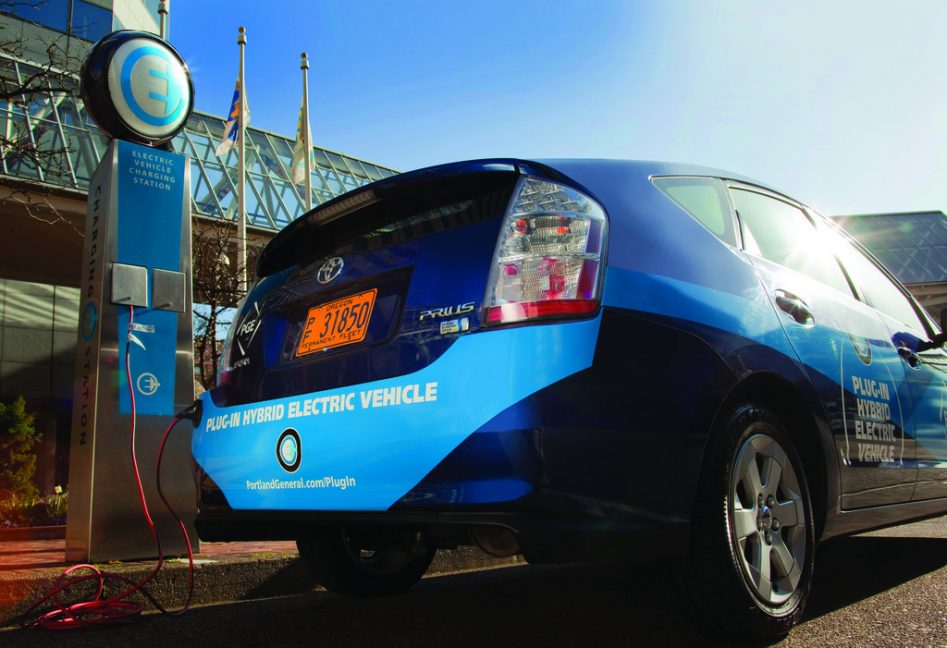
242	175
304	66
163	9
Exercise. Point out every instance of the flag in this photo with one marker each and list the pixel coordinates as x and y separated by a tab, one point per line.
232	128
303	139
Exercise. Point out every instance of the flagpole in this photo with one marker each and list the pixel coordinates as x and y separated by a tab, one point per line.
163	17
304	66
242	175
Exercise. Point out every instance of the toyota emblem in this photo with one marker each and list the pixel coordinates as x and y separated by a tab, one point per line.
330	270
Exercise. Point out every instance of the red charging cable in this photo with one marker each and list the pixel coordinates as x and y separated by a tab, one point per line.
115	609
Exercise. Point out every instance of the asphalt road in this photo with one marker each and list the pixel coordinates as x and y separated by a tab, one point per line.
887	588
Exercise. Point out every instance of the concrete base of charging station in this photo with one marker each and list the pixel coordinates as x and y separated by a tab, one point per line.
218	578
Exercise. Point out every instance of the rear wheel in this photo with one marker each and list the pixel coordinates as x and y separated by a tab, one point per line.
750	567
366	561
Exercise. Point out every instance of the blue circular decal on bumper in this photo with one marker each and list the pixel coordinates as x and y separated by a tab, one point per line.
289	450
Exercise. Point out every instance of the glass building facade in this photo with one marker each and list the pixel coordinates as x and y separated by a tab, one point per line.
87	20
58	123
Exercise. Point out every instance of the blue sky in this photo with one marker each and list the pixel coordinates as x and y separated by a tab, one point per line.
841	104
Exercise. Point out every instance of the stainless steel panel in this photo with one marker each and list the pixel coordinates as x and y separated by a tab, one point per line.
170	290
129	285
105	520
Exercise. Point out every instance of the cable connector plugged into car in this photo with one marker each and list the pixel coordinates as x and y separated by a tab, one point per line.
193	412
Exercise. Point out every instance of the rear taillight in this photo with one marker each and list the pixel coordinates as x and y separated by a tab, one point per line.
549	257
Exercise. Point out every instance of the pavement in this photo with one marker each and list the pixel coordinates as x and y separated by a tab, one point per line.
885	589
900	570
224	571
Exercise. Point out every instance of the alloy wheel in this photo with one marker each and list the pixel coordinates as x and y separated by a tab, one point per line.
766	518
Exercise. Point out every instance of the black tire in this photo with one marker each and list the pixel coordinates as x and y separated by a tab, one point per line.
736	535
366	562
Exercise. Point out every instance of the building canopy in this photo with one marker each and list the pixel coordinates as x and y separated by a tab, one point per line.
72	146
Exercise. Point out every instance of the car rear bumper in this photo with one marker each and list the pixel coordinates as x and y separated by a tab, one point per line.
542	538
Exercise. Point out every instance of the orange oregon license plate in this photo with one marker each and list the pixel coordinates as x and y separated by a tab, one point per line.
340	322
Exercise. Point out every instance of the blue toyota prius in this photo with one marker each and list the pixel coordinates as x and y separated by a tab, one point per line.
574	360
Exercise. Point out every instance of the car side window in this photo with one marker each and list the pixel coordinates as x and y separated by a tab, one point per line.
782	233
705	199
875	286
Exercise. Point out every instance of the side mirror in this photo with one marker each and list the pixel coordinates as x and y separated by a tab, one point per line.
916	345
941	338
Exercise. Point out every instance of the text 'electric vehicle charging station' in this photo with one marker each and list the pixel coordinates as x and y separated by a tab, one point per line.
136	263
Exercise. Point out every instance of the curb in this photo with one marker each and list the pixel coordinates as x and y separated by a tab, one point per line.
19	534
227	580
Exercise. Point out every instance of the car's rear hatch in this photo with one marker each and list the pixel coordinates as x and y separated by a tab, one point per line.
372	286
382	281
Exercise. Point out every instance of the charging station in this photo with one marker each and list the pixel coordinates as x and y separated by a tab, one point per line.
136	264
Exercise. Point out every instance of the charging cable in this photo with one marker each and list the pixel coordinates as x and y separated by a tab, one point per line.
100	610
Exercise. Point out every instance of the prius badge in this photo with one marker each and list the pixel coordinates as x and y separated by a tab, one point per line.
329	270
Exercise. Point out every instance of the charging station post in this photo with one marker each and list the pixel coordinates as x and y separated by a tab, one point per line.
137	254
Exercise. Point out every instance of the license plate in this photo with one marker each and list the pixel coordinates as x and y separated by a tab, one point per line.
337	323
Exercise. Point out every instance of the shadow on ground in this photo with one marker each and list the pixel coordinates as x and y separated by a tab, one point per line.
848	570
573	605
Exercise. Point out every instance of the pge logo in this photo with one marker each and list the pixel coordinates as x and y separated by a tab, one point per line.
149	87
90	316
289	451
861	346
248	329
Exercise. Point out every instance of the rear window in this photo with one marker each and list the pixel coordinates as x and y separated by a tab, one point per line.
706	200
400	214
456	214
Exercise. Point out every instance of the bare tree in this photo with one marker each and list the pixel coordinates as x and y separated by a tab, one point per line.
36	71
216	290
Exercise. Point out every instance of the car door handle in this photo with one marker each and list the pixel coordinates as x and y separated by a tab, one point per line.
909	356
794	306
